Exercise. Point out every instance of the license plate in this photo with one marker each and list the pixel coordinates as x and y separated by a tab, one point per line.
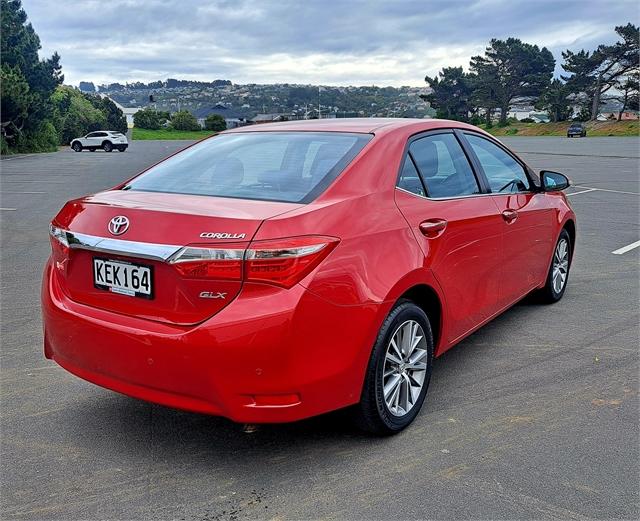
124	278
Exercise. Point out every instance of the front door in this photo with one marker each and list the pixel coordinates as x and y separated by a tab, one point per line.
527	220
458	228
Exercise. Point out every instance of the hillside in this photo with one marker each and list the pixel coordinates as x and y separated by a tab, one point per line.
249	100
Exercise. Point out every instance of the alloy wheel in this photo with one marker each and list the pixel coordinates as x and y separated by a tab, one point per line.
560	265
405	368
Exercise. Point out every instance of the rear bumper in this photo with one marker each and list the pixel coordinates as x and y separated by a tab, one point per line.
271	355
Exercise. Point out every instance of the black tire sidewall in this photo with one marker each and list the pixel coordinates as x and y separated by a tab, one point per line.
373	405
76	147
107	147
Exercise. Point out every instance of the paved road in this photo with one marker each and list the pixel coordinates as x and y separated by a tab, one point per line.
534	416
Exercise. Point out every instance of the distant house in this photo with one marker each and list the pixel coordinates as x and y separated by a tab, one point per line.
270	118
231	117
127	111
528	112
627	115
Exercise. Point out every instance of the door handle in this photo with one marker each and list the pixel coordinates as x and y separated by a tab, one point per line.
509	216
432	228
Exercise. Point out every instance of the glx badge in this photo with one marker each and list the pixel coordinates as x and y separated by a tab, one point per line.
212	294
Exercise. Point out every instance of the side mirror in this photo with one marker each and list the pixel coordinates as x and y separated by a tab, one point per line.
554	181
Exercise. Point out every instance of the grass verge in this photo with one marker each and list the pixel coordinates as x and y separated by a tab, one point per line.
594	129
165	133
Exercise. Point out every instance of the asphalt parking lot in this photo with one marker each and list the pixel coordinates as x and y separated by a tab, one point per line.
536	416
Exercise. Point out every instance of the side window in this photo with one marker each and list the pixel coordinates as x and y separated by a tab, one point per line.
444	167
503	172
92	134
410	179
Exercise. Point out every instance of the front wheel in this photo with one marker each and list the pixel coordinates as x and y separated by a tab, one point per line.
558	275
398	373
76	147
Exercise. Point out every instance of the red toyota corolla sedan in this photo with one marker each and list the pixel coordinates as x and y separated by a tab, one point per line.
276	272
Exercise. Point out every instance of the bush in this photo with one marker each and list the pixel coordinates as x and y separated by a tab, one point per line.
4	148
184	120
511	132
502	124
215	122
148	118
43	139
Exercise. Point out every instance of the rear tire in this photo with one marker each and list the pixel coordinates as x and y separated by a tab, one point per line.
122	149
558	275
76	146
393	392
107	146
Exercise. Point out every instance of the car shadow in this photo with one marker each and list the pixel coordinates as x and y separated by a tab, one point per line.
177	434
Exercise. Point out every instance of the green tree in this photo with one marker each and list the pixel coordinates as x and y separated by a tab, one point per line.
115	119
596	73
74	115
184	120
510	69
24	118
628	87
215	122
450	93
148	118
554	100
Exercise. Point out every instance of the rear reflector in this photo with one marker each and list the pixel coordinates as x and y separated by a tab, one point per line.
282	262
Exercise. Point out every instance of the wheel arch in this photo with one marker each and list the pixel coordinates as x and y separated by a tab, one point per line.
427	299
570	226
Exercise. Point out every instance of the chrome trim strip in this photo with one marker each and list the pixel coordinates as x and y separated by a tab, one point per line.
143	250
464	196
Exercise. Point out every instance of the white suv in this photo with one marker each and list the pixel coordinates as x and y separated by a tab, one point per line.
107	140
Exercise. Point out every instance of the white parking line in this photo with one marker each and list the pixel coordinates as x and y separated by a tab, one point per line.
8	209
582	192
626	248
607	190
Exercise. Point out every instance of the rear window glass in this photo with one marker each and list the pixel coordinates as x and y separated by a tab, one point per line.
270	166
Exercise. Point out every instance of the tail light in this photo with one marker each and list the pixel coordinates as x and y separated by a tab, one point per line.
209	263
282	262
59	246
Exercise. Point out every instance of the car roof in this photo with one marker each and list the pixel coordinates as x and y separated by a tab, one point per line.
355	125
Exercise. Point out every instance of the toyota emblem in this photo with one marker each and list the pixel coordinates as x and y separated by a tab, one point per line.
118	225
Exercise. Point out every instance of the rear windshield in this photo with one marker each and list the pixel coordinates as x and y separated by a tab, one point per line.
270	166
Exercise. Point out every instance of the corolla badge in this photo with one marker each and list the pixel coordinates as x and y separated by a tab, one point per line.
219	235
118	225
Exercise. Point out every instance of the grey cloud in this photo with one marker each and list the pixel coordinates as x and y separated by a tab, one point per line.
255	40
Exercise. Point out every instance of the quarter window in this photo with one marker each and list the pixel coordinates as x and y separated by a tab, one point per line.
444	167
410	179
504	173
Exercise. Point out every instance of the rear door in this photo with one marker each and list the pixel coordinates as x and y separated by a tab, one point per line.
527	219
457	226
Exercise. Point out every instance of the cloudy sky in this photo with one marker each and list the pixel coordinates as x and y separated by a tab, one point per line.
330	42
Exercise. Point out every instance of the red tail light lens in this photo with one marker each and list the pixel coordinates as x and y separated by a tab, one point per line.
209	263
284	262
59	246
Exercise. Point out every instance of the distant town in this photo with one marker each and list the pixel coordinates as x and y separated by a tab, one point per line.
271	102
